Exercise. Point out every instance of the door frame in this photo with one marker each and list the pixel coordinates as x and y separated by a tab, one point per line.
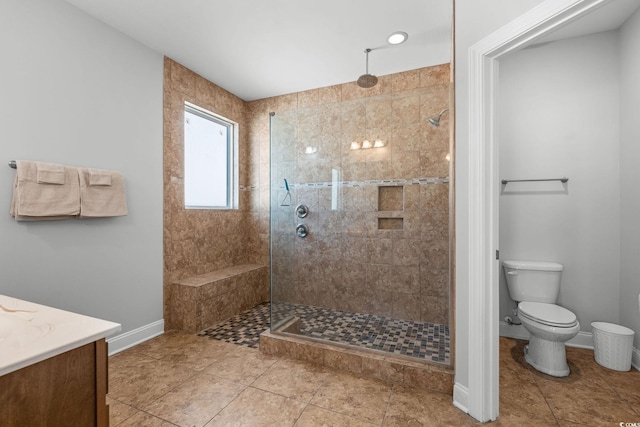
484	190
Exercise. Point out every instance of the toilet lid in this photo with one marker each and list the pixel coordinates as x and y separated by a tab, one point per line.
547	314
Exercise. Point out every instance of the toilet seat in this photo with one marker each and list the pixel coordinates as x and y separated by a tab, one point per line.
547	314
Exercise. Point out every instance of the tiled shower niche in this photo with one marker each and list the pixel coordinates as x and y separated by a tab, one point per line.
391	223
390	201
390	198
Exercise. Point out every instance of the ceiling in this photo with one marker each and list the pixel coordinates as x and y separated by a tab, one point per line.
258	49
610	16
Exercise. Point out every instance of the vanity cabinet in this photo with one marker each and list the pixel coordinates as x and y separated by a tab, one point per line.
53	366
68	389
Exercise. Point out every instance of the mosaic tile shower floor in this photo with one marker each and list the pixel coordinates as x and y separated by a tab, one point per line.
427	341
242	329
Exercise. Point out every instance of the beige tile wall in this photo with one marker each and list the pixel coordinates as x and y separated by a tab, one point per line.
346	262
202	241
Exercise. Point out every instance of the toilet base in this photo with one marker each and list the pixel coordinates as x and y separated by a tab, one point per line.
547	356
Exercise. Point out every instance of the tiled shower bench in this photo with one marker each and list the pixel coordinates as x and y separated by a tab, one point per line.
201	301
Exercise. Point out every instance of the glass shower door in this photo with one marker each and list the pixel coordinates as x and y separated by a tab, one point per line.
359	223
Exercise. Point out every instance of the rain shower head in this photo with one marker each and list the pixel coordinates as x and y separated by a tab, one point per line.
367	80
435	120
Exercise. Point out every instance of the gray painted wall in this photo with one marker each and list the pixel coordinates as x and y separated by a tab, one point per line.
630	174
560	116
77	92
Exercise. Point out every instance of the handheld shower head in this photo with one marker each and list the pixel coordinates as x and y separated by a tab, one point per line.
367	80
435	120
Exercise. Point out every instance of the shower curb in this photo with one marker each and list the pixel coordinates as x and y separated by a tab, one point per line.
365	363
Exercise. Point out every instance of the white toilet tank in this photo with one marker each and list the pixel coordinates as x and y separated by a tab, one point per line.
536	281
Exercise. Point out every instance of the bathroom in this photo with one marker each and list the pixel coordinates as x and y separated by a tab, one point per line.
80	93
565	122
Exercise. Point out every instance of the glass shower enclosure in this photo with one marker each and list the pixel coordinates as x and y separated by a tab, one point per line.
360	223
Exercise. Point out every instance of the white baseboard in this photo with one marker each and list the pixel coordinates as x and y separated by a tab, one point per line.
635	359
461	397
513	331
129	339
582	340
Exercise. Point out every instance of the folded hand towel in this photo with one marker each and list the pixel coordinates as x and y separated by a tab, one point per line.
99	177
33	201
49	173
102	200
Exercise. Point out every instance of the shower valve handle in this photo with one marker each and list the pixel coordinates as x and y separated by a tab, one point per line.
302	230
302	211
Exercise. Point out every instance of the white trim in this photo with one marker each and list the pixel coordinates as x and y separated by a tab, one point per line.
483	329
513	331
483	190
635	359
582	340
131	338
461	398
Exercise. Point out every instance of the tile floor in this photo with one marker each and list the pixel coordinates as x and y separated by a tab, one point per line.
186	380
590	396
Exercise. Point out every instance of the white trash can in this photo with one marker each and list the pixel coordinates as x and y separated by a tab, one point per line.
613	345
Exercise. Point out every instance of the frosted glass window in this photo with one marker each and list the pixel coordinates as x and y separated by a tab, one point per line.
208	160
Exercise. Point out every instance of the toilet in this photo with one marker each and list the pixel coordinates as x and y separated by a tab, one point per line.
534	286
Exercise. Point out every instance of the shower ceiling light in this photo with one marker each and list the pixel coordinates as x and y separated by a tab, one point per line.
397	37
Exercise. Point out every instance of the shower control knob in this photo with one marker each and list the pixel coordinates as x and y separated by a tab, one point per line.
302	230
302	211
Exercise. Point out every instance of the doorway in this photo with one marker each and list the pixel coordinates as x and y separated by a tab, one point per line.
484	189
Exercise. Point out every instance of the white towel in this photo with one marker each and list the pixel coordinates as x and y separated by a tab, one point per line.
101	199
45	201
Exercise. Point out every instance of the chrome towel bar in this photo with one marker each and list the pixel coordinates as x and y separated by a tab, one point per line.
506	181
12	164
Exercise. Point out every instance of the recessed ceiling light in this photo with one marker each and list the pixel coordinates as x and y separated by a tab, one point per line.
397	37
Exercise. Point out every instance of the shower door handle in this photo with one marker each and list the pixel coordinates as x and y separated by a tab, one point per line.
302	230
